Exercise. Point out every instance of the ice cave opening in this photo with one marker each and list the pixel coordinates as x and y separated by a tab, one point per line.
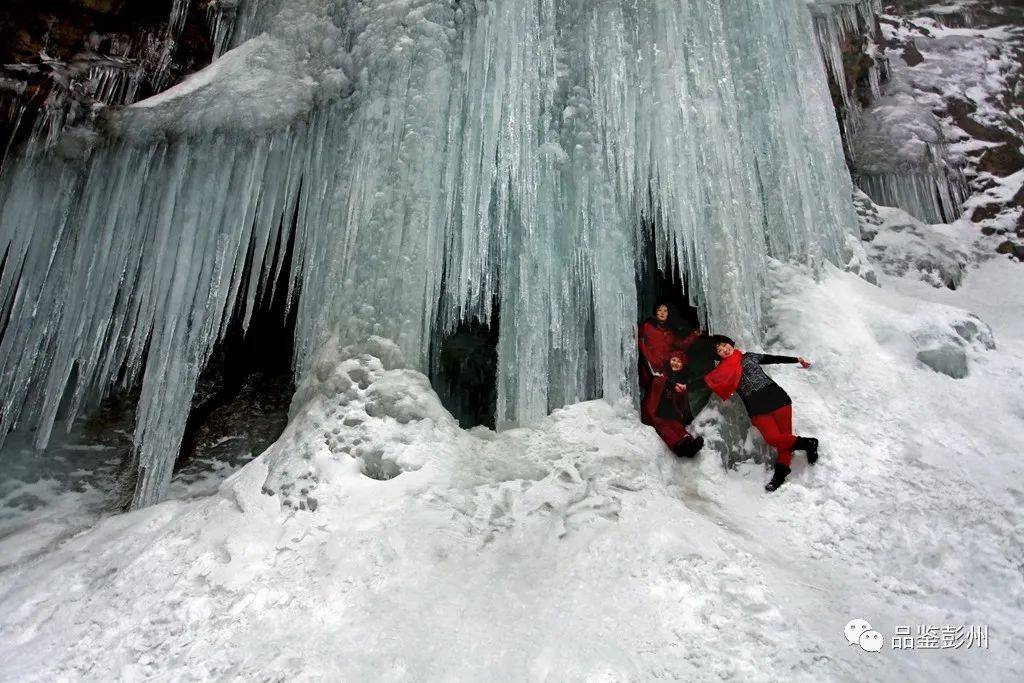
660	279
239	408
243	393
464	370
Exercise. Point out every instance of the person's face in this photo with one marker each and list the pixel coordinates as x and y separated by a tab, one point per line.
676	364
661	313
724	350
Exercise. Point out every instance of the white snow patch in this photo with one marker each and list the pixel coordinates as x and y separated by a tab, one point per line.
579	548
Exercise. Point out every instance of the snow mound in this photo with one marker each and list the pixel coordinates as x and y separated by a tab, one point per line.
273	92
899	244
263	84
359	412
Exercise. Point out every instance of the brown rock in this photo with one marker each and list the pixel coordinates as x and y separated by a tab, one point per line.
1006	247
961	110
911	55
1001	161
986	212
104	6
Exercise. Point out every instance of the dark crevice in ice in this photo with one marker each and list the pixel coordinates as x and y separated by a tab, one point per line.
654	286
464	371
242	397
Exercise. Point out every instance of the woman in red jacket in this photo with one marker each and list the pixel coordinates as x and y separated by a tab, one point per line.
663	356
769	406
658	338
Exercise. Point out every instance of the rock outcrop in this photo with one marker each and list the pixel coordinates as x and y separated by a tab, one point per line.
63	60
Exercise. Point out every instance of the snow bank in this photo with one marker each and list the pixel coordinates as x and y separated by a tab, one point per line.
898	244
579	547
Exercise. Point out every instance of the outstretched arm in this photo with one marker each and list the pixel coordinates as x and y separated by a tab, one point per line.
769	359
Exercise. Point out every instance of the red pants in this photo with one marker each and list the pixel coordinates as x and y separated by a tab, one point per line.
653	389
777	429
671	432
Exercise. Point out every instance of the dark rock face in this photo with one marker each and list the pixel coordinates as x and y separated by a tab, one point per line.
59	59
911	55
232	428
1001	161
970	84
1011	249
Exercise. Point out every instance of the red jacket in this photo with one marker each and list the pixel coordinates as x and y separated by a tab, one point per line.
658	343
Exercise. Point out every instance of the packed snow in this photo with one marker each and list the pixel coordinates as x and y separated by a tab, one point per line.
899	244
377	540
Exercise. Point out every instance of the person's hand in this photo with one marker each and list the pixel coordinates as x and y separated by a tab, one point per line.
680	388
804	363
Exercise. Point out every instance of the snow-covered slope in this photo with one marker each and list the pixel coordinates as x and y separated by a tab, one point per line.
580	548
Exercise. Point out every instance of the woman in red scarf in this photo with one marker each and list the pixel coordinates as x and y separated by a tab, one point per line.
769	406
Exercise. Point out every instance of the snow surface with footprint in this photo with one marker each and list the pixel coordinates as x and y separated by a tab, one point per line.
580	548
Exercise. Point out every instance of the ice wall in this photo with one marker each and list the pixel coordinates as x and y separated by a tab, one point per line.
432	157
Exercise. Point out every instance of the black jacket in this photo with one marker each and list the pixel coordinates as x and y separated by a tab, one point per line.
759	392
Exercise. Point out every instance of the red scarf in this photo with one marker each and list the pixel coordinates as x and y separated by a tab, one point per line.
725	379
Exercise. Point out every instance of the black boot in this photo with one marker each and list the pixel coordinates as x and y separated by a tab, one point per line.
781	472
808	445
688	447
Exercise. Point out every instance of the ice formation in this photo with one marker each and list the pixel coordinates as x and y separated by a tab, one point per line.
903	158
429	159
836	24
898	146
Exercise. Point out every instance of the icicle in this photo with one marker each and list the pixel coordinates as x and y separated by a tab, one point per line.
934	194
438	158
232	22
12	110
836	23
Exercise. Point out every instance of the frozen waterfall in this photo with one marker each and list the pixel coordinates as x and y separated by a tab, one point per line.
431	157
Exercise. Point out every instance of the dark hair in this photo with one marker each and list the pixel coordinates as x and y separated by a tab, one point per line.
675	320
717	339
